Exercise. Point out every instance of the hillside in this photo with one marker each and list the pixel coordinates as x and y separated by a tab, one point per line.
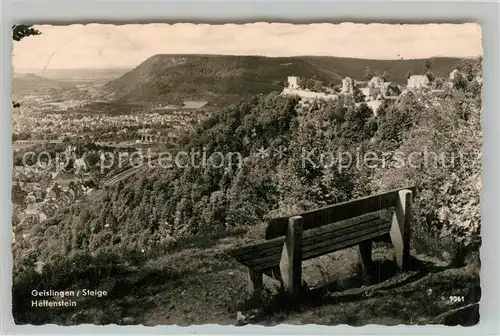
397	69
221	79
78	76
31	83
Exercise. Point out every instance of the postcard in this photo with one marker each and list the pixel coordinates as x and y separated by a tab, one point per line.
235	174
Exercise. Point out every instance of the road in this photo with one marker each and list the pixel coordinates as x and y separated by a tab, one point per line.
121	176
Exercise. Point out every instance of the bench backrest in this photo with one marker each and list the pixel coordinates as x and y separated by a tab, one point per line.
277	227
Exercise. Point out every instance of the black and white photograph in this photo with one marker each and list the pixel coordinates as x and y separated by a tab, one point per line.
246	174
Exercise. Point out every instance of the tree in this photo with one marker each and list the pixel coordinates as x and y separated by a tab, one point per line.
21	31
385	76
358	94
18	33
318	86
447	211
438	83
310	83
460	82
301	82
471	67
430	76
368	74
427	65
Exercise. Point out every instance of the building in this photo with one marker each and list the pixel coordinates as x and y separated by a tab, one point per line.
376	82
191	104
366	91
416	82
347	85
293	82
308	95
390	90
37	142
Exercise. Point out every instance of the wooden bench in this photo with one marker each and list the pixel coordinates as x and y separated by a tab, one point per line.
292	239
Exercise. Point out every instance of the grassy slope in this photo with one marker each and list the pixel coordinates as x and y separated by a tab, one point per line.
199	284
219	79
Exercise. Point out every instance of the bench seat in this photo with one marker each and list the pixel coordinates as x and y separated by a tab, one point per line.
293	239
315	242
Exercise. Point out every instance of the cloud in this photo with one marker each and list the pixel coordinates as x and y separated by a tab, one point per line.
101	46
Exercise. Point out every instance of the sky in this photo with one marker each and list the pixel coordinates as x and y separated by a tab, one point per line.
126	46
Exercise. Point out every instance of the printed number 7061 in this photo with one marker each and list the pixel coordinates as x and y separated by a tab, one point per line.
455	298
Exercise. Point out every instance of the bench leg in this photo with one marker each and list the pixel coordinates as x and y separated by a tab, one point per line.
255	283
291	258
400	229
365	254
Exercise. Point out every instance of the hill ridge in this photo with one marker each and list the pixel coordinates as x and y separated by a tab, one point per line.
29	82
172	78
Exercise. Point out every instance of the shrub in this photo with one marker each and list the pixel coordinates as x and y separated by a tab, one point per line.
447	171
